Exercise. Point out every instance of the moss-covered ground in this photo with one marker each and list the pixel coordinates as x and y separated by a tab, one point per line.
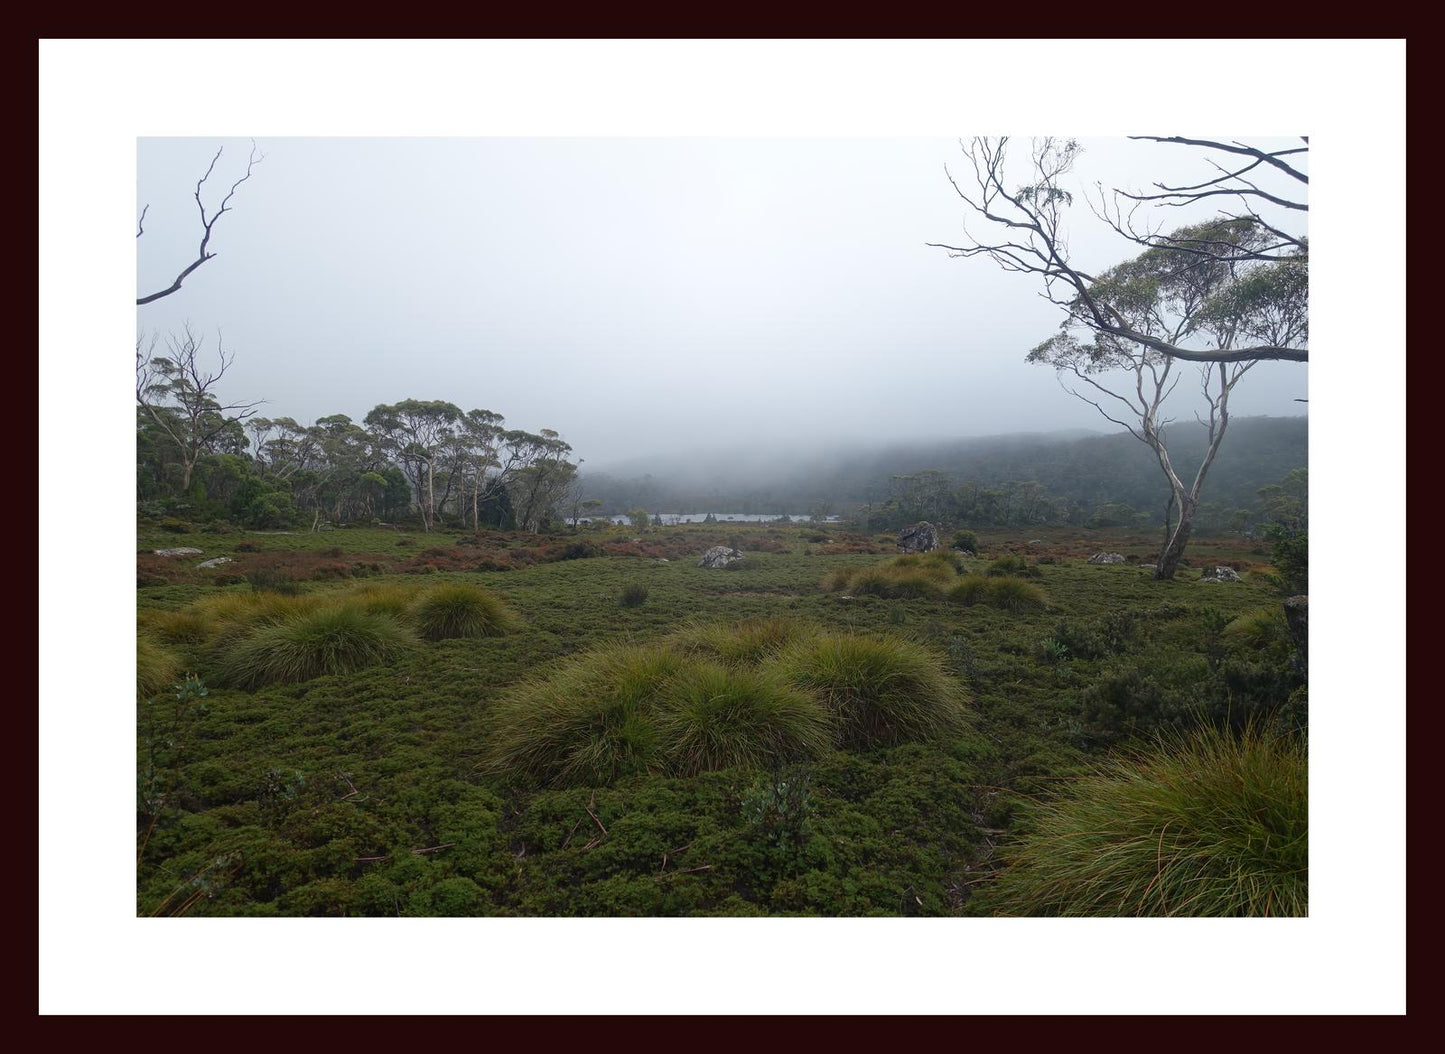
361	794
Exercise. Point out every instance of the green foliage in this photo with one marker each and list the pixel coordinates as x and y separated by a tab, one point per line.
780	806
379	761
1210	825
1290	551
451	611
878	689
965	540
327	641
633	595
1108	635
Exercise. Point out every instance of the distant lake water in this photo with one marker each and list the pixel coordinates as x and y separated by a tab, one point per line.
670	518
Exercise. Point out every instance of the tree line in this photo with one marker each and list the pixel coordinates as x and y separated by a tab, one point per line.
204	459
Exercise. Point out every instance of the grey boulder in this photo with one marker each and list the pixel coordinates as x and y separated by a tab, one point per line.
720	556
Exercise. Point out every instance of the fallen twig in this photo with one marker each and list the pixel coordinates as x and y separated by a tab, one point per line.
433	849
673	852
686	871
592	814
354	791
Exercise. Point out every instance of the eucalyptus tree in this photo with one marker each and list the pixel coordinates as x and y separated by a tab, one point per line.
541	474
476	441
1173	296
417	432
178	392
1026	233
1226	293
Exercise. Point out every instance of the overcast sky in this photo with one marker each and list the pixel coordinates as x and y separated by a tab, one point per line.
633	294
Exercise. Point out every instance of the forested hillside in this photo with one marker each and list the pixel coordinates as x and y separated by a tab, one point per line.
1022	479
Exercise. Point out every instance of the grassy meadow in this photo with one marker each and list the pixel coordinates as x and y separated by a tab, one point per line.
387	722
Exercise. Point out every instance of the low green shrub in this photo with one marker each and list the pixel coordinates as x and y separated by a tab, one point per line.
632	596
1214	824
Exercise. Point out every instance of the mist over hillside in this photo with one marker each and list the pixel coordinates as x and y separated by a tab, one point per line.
1086	469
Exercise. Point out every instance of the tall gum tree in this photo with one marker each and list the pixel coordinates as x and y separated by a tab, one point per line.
1224	294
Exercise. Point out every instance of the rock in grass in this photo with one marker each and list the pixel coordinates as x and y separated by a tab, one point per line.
720	557
1219	574
1106	558
184	551
217	562
919	538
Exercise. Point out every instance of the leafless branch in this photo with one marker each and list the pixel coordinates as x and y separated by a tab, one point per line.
1034	243
208	222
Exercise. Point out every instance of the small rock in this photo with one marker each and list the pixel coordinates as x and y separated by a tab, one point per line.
660	560
1219	574
217	562
184	551
1106	558
720	556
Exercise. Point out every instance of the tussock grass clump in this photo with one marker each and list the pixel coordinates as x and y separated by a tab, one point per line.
1014	594
743	643
155	668
970	589
1011	565
878	689
333	640
187	626
713	716
1259	629
246	609
759	692
375	599
1009	594
588	722
632	596
1210	825
453	611
909	575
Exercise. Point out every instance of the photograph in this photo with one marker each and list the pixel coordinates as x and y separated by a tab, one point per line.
581	529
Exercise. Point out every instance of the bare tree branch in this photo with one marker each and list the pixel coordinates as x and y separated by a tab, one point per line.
208	222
